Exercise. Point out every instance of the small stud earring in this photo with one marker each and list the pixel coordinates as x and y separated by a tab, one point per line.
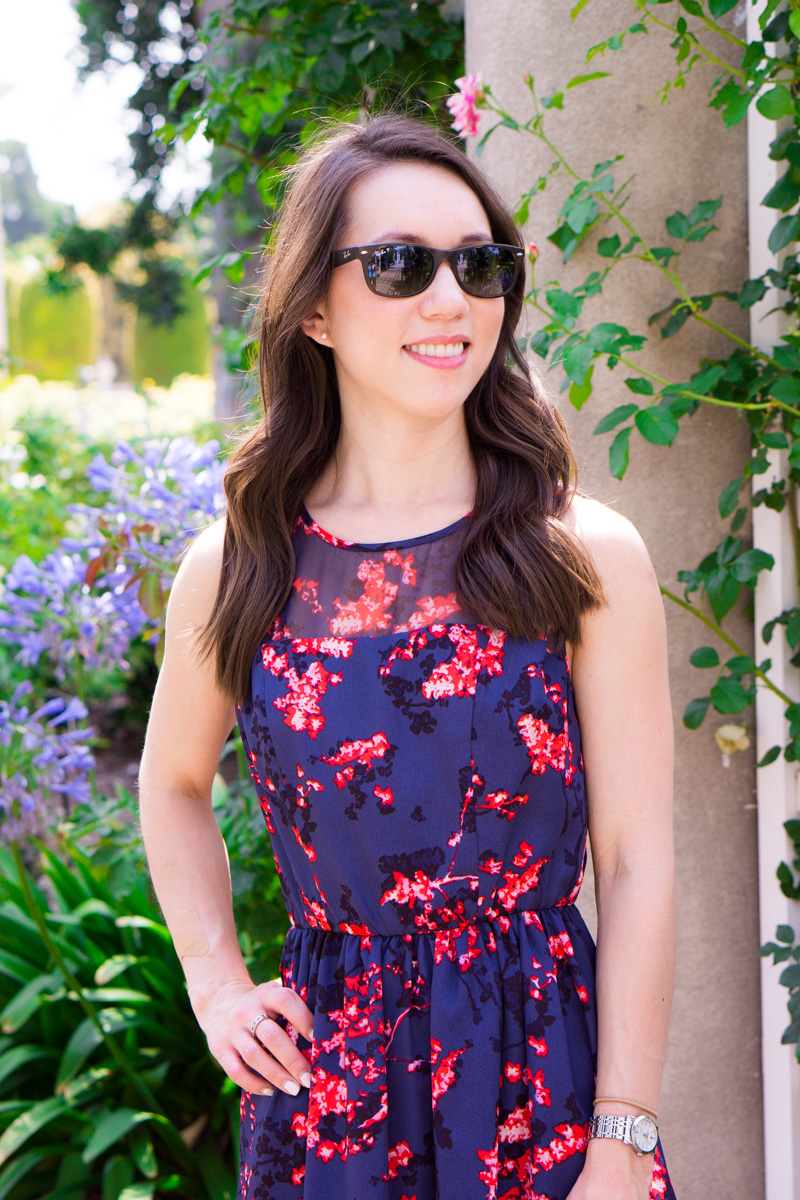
324	335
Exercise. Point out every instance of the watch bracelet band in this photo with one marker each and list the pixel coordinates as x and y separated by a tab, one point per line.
612	1126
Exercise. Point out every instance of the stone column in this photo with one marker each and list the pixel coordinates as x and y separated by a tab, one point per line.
679	153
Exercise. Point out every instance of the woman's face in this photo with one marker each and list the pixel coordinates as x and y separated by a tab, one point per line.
383	347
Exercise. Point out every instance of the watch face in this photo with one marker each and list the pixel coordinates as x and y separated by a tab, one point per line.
644	1135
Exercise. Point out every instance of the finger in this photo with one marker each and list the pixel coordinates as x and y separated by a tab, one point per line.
274	1054
290	1005
237	1069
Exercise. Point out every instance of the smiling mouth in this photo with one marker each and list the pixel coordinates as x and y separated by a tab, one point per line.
438	349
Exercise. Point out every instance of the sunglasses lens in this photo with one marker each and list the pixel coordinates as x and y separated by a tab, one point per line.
399	270
486	271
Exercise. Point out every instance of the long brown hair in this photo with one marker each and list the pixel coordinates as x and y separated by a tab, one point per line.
519	568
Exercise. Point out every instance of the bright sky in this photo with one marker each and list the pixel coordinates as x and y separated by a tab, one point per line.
75	133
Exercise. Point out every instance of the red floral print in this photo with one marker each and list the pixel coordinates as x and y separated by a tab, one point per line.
421	778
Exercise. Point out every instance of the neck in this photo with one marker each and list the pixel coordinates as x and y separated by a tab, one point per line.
395	478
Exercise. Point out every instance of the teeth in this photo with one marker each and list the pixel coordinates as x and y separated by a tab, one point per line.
439	350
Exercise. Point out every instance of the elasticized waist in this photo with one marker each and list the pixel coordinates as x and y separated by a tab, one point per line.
529	916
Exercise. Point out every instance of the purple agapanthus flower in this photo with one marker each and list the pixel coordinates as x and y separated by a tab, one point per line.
47	608
41	761
158	498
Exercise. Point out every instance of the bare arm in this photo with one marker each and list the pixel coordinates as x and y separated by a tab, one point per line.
623	704
190	721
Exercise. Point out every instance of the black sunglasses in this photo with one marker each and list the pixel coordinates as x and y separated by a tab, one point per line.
400	269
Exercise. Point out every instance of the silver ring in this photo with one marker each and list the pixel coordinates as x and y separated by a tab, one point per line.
261	1017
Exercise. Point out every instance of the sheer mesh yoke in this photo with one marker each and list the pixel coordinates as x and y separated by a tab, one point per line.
352	589
422	783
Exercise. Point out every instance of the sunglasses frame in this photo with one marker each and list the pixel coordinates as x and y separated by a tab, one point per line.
361	253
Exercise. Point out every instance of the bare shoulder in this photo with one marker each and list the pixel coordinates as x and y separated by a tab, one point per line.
195	587
615	545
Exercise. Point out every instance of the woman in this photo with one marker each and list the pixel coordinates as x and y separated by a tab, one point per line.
409	703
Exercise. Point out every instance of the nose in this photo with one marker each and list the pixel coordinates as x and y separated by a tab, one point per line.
444	296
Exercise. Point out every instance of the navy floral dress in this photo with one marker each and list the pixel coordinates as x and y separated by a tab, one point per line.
421	779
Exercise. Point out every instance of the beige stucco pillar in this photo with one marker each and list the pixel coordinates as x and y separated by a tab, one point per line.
680	153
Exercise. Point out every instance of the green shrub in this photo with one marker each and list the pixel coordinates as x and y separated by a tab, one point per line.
163	351
106	1081
50	336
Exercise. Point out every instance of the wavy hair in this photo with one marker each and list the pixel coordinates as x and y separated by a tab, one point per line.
519	568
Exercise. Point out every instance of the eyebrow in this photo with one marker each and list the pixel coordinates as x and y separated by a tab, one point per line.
395	235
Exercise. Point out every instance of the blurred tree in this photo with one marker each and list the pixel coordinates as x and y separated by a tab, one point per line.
25	211
161	39
252	77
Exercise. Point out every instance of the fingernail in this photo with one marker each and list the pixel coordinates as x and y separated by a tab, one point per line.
310	1034
291	1086
305	1079
267	1091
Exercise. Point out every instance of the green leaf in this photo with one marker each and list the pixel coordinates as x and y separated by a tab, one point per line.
577	80
23	1165
785	933
115	966
554	100
718	8
577	8
678	225
85	1038
110	1128
790	978
784	232
704	210
695	711
618	454
576	361
794	22
143	1152
704	656
615	417
579	215
30	1122
641	387
753	291
579	393
787	390
775	103
607	247
19	1056
748	566
784	194
723	594
728	695
729	497
734	102
563	303
769	757
775	439
138	1191
565	240
117	1174
740	664
27	1001
657	425
540	343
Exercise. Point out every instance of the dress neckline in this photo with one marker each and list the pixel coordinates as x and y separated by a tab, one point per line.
394	544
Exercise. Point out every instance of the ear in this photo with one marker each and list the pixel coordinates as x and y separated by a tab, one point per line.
316	327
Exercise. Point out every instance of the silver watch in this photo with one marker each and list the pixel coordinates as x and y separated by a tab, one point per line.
640	1132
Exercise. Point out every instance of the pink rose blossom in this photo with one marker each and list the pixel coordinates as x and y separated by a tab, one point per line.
463	105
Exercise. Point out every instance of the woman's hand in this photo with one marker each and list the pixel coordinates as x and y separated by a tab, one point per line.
256	1063
613	1171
